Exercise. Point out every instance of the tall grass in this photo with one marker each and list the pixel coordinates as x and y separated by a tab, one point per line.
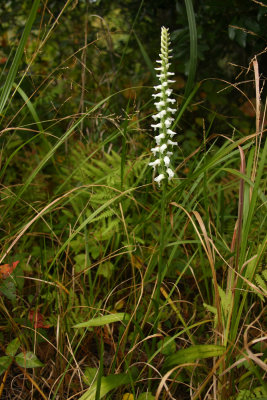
86	224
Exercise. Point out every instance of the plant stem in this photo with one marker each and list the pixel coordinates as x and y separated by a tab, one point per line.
160	257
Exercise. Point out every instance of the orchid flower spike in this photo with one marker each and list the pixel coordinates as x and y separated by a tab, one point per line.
164	116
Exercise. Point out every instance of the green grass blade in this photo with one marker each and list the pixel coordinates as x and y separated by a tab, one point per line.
104	320
146	58
238	307
30	106
193	46
100	371
34	115
15	64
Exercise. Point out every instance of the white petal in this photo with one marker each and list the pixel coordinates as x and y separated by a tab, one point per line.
168	122
159	137
167	161
170	173
163	148
172	143
171	133
159	178
172	110
161	114
171	101
171	81
155	126
157	95
155	150
160	104
169	92
169	153
154	163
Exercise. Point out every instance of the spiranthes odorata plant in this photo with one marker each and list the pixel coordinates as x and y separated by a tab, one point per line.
164	117
163	151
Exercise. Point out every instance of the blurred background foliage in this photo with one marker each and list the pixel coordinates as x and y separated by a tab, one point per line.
94	48
82	51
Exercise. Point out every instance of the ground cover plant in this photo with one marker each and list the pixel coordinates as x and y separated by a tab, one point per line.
133	208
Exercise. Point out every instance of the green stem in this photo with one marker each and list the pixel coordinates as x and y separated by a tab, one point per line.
160	258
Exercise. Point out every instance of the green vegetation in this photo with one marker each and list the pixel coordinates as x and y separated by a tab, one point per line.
112	287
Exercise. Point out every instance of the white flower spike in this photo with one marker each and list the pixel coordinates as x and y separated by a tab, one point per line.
164	115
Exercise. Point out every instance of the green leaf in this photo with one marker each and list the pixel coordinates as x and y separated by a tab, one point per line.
18	277
225	301
166	348
28	360
12	347
146	396
5	362
80	262
194	353
104	320
241	38
231	32
108	383
90	375
105	269
8	289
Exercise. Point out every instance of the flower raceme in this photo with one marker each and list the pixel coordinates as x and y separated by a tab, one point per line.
163	105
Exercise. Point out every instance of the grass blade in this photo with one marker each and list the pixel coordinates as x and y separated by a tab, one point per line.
104	320
15	64
146	58
193	46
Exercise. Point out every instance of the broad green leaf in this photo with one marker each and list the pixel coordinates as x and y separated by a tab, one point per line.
225	301
12	347
28	360
213	310
108	383
90	375
5	362
194	353
104	320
